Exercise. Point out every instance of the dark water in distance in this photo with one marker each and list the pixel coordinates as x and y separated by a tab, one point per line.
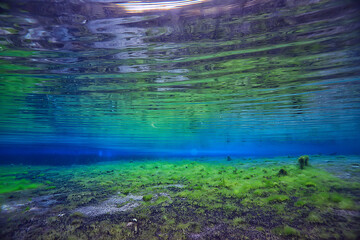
240	77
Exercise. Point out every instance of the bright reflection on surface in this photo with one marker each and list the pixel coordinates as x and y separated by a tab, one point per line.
138	7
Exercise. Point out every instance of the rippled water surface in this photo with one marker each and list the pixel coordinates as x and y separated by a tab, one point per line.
181	77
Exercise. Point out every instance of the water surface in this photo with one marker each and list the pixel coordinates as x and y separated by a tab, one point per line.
213	77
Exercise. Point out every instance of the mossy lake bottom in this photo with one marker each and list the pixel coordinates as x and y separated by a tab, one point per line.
230	198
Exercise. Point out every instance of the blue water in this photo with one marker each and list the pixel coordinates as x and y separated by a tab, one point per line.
108	79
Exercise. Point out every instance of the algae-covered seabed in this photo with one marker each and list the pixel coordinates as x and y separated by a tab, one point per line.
183	199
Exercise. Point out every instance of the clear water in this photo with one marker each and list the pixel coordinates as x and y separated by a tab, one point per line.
214	77
198	99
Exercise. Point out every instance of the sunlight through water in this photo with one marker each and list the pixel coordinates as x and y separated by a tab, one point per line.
138	6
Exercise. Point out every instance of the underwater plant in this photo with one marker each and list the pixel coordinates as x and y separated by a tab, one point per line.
147	198
306	160
181	198
303	161
282	172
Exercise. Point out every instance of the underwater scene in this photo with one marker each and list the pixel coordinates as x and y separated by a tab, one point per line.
179	119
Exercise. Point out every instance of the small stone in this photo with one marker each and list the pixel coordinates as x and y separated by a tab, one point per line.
133	224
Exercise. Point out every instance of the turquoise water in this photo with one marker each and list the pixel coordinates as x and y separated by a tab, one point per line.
209	78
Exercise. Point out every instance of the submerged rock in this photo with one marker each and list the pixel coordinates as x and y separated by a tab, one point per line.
112	205
11	206
101	209
171	186
282	172
133	224
39	205
45	201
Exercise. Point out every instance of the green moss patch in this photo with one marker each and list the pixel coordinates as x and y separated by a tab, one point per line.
10	184
181	198
147	198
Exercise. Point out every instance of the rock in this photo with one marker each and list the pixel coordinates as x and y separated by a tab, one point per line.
282	172
133	224
111	206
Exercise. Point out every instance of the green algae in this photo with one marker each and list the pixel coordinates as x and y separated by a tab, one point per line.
187	197
303	161
314	218
10	182
286	231
147	198
8	186
277	198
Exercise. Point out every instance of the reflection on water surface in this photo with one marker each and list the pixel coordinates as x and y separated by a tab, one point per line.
139	7
211	77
